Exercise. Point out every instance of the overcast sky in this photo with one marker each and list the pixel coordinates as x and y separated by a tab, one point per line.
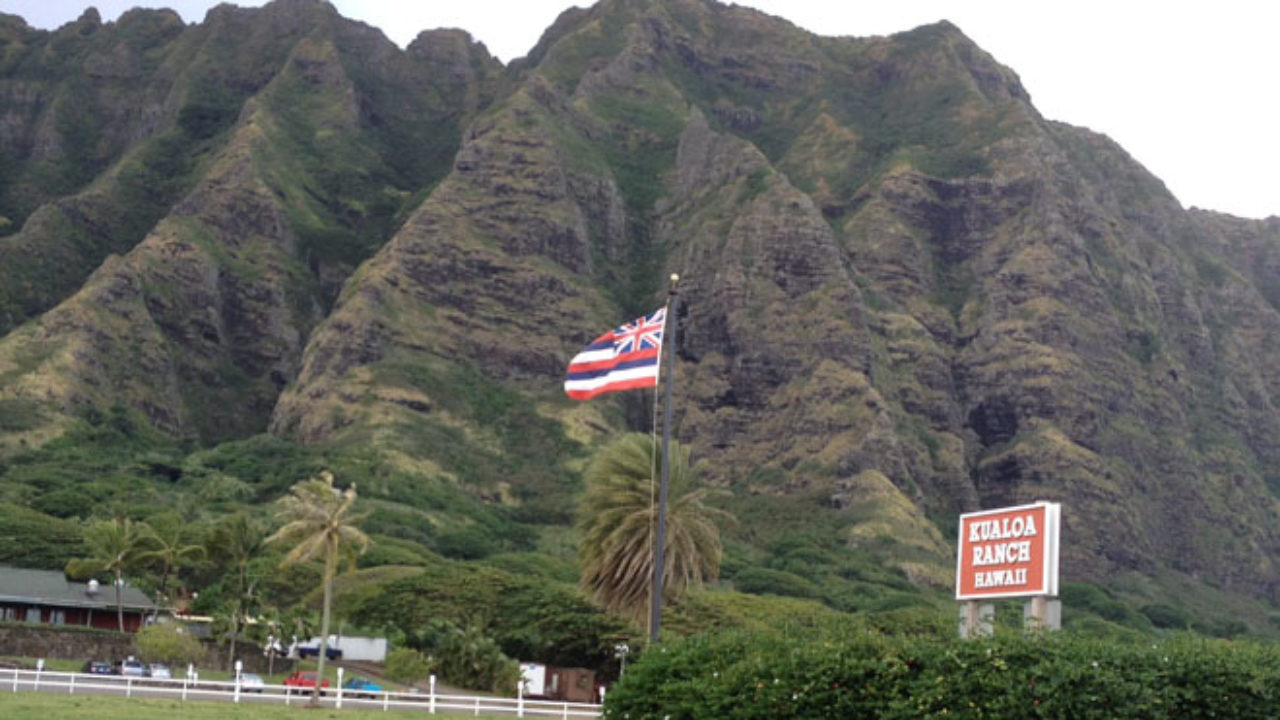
1190	89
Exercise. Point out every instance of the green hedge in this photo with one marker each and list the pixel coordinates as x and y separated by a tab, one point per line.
865	675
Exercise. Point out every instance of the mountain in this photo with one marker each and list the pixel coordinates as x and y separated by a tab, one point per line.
904	293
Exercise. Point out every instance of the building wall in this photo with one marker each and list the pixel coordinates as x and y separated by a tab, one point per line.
102	619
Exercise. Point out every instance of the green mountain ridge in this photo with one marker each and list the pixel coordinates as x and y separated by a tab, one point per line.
904	295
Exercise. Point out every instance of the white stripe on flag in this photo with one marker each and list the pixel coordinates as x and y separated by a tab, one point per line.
615	376
587	356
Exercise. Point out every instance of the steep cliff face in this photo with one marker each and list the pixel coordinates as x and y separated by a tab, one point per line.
201	325
905	294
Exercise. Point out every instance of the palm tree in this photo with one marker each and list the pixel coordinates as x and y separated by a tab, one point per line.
616	520
317	518
165	535
236	540
114	546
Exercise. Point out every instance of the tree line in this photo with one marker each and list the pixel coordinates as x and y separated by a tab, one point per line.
246	566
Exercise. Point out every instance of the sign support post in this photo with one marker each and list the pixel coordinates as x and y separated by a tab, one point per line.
976	619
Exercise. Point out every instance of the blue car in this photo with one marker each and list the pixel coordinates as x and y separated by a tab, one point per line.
361	686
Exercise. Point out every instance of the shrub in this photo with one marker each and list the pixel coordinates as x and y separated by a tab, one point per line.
168	643
825	674
406	665
471	659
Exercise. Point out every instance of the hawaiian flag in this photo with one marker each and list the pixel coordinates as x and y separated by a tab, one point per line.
621	359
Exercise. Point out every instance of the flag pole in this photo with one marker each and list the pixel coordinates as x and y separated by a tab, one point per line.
659	545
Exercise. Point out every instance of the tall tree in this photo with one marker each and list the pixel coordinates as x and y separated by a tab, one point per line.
616	519
234	541
166	535
114	546
318	519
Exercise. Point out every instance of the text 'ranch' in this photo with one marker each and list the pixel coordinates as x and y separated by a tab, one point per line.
1004	541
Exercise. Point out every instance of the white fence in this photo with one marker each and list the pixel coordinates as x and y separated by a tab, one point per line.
335	697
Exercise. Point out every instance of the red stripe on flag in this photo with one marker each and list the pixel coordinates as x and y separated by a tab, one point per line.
605	364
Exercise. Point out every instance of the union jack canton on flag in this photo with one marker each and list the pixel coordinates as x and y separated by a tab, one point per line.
621	359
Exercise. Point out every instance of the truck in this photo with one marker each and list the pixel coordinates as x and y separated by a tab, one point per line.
309	651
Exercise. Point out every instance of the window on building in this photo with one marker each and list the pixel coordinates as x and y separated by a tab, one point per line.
58	617
33	614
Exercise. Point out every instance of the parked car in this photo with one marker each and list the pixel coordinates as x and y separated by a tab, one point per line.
97	667
361	686
159	671
132	668
332	653
304	679
252	682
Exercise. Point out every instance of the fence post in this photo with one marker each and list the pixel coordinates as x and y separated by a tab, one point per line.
185	681
477	706
128	687
520	698
71	688
386	699
338	703
431	705
39	669
288	693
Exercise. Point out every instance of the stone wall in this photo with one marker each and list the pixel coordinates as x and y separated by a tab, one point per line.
42	641
45	641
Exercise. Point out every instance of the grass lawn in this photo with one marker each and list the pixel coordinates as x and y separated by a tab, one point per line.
52	664
39	706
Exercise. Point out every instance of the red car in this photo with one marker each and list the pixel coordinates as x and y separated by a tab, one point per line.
304	679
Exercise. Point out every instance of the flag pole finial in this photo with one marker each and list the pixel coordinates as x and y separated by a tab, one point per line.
675	281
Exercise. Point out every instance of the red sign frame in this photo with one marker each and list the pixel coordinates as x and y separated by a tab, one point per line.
1009	552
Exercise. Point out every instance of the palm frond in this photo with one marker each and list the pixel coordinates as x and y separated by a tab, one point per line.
616	520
